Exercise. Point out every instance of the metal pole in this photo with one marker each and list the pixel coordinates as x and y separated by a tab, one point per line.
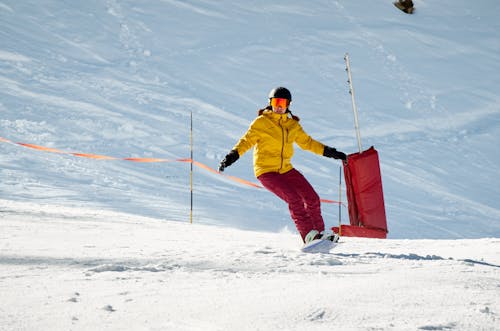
191	170
354	109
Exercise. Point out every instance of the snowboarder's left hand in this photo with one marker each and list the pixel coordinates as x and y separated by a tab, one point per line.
333	153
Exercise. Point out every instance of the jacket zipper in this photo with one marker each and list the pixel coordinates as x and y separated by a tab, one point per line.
282	143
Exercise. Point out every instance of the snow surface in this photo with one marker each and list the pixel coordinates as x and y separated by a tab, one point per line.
66	268
91	244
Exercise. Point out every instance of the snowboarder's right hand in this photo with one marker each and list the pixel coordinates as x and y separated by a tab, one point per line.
230	158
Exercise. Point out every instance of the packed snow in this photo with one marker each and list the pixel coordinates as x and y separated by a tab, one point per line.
66	268
107	244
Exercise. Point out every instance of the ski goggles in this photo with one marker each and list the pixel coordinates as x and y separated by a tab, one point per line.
279	102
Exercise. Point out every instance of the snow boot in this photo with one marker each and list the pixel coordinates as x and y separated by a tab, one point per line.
311	235
329	235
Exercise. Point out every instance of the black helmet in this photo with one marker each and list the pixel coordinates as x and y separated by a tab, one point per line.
280	92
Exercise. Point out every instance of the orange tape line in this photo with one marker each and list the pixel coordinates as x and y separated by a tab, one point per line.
247	182
94	156
243	181
333	201
41	148
236	179
148	160
201	165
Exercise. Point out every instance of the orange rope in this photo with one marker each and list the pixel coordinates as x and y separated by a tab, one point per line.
94	156
41	148
146	160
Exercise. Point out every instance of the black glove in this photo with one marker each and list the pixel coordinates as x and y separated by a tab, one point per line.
228	160
332	152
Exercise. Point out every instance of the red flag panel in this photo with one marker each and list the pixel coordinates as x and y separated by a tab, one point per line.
364	190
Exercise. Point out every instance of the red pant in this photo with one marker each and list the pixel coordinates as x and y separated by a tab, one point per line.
303	202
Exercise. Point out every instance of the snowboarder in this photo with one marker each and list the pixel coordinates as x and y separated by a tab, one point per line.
273	133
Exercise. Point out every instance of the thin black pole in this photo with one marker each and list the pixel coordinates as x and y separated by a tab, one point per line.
191	169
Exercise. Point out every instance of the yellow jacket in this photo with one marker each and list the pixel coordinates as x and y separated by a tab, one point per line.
273	136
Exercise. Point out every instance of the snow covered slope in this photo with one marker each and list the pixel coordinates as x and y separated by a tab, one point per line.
65	268
120	78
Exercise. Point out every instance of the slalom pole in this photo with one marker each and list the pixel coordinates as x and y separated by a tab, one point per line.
340	200
191	169
354	109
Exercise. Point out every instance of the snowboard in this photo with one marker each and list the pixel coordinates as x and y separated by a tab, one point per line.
318	246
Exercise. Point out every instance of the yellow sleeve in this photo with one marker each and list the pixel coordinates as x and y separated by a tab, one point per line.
249	139
306	142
